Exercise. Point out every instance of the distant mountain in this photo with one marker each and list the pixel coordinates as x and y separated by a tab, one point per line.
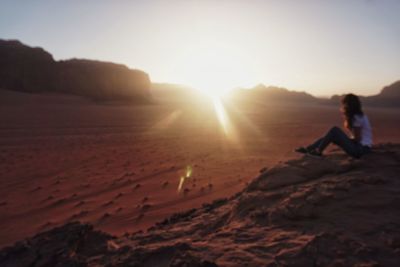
392	90
169	92
262	93
33	70
388	97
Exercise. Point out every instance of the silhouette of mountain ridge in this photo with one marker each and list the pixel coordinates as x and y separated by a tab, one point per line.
34	70
262	93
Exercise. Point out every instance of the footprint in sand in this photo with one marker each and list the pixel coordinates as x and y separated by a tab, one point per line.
165	184
79	214
115	181
140	216
145	207
105	216
137	186
145	199
36	189
120	194
80	203
59	201
49	198
86	185
108	203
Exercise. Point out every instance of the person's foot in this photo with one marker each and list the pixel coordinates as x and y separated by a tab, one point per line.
314	153
302	150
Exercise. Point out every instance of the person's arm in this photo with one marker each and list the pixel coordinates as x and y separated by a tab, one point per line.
357	133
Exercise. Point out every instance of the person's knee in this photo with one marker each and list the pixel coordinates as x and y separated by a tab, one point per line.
355	154
335	129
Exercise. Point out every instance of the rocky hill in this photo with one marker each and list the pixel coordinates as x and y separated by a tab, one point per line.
33	70
334	211
392	90
389	96
271	94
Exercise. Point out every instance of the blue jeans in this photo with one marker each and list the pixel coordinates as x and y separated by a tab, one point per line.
336	136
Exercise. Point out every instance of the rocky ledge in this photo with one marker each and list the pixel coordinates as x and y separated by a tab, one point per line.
334	211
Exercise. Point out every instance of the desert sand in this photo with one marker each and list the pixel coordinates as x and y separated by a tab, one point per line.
118	167
334	211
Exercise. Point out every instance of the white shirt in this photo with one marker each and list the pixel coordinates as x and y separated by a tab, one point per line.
362	122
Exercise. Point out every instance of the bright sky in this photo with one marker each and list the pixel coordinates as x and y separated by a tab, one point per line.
322	47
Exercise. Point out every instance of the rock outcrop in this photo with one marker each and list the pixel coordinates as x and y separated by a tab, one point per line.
271	94
334	211
392	90
33	70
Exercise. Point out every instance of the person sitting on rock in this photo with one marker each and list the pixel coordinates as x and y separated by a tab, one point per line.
358	125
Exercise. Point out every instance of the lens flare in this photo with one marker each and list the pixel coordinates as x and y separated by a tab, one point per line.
221	114
167	121
187	175
224	120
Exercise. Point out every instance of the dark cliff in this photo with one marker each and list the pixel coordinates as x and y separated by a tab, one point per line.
33	70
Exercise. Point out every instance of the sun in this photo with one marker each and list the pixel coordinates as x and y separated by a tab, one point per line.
214	68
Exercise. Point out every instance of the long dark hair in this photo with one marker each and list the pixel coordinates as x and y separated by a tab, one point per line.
351	106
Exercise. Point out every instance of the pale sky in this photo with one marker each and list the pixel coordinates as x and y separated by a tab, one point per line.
321	47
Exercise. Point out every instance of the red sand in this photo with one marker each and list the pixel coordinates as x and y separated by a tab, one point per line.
324	212
118	167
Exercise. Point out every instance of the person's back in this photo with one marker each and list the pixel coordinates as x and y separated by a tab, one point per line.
362	122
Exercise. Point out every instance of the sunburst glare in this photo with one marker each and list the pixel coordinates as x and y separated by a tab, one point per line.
223	119
215	68
188	174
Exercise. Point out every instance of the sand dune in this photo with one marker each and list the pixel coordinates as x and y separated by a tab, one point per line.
305	212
